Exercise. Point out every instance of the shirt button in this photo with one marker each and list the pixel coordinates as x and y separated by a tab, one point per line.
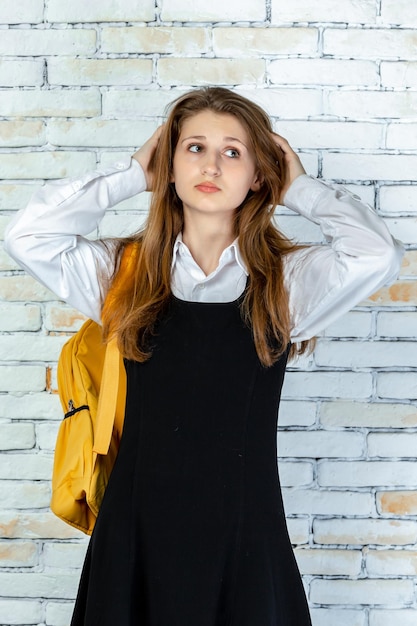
77	185
119	166
201	286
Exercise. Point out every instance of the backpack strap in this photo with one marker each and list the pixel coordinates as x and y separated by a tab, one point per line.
111	375
107	401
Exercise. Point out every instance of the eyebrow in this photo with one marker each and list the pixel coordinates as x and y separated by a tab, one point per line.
224	139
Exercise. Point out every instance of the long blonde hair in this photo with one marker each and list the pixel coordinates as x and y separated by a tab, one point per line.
133	306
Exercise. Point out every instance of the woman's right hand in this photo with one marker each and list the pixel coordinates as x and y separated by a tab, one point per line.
144	156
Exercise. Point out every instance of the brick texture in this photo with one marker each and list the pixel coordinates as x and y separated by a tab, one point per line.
85	83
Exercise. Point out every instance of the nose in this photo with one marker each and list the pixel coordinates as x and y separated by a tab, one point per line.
211	165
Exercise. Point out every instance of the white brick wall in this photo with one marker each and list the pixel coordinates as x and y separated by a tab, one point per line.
83	83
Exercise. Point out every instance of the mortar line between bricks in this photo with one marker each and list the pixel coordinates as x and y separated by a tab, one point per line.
268	11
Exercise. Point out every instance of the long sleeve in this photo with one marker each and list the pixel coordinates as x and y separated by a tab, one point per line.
324	282
48	237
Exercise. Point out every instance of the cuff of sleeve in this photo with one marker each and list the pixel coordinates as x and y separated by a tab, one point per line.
303	194
126	179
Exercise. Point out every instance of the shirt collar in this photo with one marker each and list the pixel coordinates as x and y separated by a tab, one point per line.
181	248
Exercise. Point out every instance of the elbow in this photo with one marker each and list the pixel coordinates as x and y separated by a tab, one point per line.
391	260
17	244
397	253
11	243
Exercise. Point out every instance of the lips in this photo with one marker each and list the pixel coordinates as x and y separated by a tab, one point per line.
207	187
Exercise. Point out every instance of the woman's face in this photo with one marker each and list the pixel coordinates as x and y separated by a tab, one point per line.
214	165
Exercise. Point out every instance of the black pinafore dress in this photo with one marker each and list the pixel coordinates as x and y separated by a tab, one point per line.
192	530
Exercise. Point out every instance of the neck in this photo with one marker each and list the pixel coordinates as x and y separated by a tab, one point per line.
206	238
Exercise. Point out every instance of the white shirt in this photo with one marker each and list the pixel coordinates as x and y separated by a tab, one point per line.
225	284
48	239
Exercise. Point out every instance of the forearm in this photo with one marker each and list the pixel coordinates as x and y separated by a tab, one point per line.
348	225
75	206
47	239
324	282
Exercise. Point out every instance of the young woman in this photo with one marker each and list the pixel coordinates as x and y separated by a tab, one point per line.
192	529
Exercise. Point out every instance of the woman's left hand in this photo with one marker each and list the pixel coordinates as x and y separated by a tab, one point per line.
294	167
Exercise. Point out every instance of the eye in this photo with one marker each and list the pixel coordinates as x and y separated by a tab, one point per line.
194	147
232	153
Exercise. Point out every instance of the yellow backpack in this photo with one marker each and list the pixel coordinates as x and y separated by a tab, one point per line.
92	389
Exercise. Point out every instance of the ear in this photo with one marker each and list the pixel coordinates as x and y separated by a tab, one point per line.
257	182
